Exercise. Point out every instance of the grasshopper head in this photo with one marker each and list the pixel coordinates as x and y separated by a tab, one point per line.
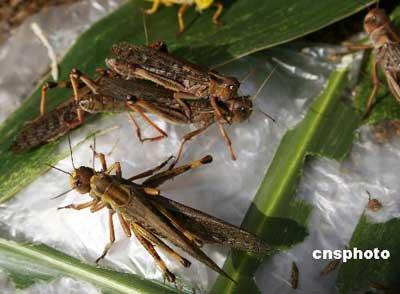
240	108
375	19
80	179
203	4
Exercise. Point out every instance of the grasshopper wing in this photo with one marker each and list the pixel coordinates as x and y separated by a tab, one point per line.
213	230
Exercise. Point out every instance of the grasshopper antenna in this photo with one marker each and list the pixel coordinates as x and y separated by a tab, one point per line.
59	169
62	194
70	151
260	89
264	83
146	36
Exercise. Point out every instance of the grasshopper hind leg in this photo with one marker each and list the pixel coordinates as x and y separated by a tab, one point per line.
150	249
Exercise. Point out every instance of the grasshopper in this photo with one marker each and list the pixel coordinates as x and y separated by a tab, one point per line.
54	124
185	4
141	210
386	49
51	125
186	80
115	94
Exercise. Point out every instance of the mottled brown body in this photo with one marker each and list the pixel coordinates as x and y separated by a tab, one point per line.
186	79
47	128
114	94
150	216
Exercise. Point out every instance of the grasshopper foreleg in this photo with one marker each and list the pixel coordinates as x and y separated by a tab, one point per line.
111	235
80	206
218	118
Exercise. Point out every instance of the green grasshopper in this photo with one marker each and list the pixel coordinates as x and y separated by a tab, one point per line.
141	210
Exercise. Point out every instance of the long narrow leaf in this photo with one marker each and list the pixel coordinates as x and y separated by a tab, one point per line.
27	264
327	130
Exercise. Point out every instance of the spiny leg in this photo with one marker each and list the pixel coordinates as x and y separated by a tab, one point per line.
185	139
124	225
217	14
150	122
80	206
111	235
375	83
150	171
218	118
50	85
181	14
158	242
150	249
159	178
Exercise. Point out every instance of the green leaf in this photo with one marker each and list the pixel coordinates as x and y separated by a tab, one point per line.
327	130
386	106
249	26
27	264
356	275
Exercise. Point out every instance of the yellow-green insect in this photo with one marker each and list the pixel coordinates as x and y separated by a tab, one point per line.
185	4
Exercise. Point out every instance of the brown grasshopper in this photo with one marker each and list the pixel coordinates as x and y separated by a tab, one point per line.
386	48
141	210
114	94
186	80
51	125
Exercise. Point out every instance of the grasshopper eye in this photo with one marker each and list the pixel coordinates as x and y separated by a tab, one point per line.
78	183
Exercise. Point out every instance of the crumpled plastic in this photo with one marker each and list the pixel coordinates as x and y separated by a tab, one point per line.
223	189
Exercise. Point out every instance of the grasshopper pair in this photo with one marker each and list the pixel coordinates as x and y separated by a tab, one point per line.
187	81
212	97
143	212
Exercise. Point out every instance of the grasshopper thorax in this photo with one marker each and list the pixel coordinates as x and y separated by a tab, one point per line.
223	88
80	179
240	108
